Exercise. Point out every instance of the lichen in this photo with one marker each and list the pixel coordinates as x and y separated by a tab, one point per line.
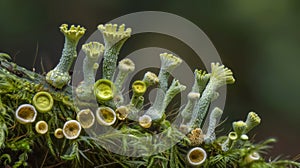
59	140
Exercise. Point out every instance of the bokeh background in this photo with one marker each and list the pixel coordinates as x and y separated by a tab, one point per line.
258	40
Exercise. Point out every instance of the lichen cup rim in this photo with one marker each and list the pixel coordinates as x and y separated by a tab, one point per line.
22	120
58	133
139	87
99	118
40	107
103	97
66	134
200	150
41	131
83	123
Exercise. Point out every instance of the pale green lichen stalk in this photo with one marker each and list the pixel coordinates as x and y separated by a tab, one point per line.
229	143
59	76
239	127
201	79
114	38
150	79
188	109
210	135
164	95
126	66
139	88
219	76
157	110
173	90
93	52
252	121
237	139
168	63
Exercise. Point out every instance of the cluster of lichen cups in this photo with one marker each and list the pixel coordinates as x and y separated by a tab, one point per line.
112	106
42	102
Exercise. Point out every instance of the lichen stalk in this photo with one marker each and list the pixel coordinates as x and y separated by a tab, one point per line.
126	66
59	76
219	76
231	139
239	127
157	110
114	38
188	109
201	79
210	135
139	88
252	121
93	52
150	79
168	63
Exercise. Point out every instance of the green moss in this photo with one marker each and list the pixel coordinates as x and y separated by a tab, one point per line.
20	144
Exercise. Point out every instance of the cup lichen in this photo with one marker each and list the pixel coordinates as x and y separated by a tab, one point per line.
26	113
136	127
59	76
43	101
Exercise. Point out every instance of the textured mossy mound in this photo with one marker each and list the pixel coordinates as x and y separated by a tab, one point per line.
24	144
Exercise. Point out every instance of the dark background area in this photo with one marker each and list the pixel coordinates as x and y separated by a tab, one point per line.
258	40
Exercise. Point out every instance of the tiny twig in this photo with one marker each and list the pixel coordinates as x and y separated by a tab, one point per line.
58	164
107	164
44	158
36	53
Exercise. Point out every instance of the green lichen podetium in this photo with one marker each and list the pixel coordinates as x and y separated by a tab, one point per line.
93	52
114	38
126	66
219	76
59	76
66	144
164	95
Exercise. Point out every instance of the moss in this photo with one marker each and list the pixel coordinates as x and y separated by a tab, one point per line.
73	147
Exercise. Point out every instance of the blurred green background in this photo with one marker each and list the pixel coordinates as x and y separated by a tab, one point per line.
258	40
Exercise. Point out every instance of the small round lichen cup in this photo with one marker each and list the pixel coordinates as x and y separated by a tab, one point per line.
139	87
71	129
41	127
196	156
122	112
145	121
86	118
254	156
26	113
58	133
104	90
43	101
106	116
